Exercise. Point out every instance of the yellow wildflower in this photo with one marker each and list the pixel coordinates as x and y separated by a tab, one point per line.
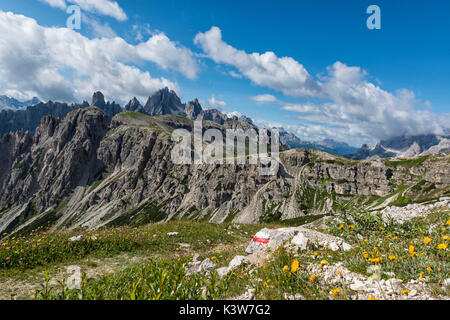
336	292
339	272
324	262
445	238
294	266
392	257
421	276
375	260
341	227
352	226
381	228
285	268
442	246
372	298
313	277
405	292
427	240
412	253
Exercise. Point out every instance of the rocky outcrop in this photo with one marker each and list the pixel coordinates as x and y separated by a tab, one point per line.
164	101
111	109
87	170
193	109
134	105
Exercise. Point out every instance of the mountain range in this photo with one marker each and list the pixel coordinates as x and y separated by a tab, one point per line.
91	169
328	145
404	147
8	103
18	116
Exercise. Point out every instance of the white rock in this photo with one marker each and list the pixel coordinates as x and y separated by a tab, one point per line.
358	286
301	241
346	246
412	293
333	246
236	262
221	272
205	266
76	238
170	234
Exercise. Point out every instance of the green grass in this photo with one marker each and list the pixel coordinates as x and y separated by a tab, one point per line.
163	274
43	248
407	163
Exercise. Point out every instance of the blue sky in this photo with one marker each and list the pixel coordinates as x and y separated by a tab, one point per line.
411	51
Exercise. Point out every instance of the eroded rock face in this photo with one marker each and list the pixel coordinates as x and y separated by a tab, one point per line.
87	170
60	157
164	101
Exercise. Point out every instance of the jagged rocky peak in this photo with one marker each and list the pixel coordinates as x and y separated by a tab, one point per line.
134	105
193	109
98	100
111	109
164	101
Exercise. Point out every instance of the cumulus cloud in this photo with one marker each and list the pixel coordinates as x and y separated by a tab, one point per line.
61	4
264	98
215	103
61	64
160	49
101	7
342	103
99	29
362	108
282	74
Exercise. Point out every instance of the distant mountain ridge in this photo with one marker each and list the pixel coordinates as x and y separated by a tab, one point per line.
29	118
328	145
404	147
8	103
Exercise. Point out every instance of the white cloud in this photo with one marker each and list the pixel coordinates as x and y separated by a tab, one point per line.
61	4
234	74
61	64
343	103
215	103
101	7
100	30
168	54
365	109
282	74
264	98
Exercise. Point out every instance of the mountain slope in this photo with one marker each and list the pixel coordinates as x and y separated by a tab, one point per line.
87	170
